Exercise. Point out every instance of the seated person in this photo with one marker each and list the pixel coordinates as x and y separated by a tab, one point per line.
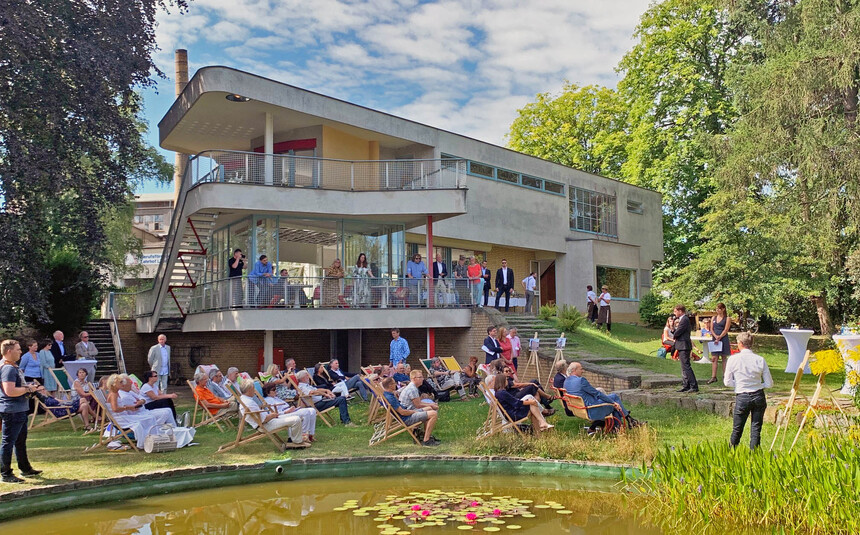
307	414
216	406
385	371
401	375
231	378
352	380
470	379
495	367
75	406
133	417
410	396
129	397
519	408
533	388
81	390
558	381
272	421
323	398
215	384
153	397
321	381
445	379
283	388
410	417
577	385
290	366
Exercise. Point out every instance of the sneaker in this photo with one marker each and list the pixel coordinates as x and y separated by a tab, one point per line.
31	472
349	424
11	479
429	443
433	438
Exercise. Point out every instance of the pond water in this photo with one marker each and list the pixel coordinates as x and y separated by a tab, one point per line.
416	504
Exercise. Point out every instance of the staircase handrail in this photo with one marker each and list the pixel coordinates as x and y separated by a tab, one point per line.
117	343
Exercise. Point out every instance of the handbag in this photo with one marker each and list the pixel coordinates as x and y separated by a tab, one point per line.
159	439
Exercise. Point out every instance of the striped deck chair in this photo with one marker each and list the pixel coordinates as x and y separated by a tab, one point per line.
307	401
393	424
259	430
107	418
64	386
206	417
426	364
498	420
52	414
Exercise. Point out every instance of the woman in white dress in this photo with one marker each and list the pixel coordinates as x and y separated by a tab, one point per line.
128	416
129	396
272	421
361	275
307	414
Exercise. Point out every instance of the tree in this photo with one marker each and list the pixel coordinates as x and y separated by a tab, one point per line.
70	144
675	86
581	127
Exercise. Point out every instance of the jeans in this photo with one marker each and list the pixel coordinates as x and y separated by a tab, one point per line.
486	294
355	382
746	404
507	293
687	376
477	287
14	437
339	402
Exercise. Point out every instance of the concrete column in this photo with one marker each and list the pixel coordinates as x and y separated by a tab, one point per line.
268	349
180	61
269	148
354	351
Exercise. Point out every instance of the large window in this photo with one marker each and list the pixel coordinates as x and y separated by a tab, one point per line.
621	282
591	211
511	177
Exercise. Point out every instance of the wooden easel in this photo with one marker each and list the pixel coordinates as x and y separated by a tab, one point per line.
534	360
559	357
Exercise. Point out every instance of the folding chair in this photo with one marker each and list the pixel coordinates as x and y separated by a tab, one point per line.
259	431
206	417
428	373
579	409
393	423
374	409
107	417
64	386
64	410
307	401
498	420
451	363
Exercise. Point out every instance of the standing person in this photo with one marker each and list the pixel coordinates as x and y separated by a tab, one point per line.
461	280
29	363
398	349
416	272
86	349
159	361
46	362
440	280
476	283
604	313
683	345
749	375
516	346
529	284
505	346
235	266
491	347
263	277
485	274
361	275
58	349
591	303
13	412
331	284
720	325
504	284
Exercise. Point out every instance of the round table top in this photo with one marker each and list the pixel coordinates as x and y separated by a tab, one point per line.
796	331
700	338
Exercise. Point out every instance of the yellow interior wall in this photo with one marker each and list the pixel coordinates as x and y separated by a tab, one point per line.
342	146
518	260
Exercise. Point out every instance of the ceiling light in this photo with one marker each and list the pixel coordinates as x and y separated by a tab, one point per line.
237	98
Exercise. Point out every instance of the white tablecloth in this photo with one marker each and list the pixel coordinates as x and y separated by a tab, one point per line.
515	301
796	340
706	351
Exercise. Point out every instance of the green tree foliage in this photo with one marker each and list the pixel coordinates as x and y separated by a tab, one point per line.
71	294
70	143
582	127
652	310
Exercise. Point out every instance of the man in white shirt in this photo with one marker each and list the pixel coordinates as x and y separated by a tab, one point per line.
749	375
159	361
529	285
591	303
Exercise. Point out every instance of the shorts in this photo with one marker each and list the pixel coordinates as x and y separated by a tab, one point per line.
416	417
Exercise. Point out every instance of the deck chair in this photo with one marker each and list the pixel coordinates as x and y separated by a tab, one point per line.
306	401
65	411
107	417
579	409
206	417
393	424
426	364
64	386
375	411
498	420
259	431
451	363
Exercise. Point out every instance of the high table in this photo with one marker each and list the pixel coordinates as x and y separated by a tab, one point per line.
72	367
515	301
706	351
797	339
846	343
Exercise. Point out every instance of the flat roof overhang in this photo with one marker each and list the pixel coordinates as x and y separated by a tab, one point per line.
202	118
319	318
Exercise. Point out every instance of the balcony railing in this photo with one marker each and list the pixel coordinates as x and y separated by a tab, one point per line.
325	292
322	173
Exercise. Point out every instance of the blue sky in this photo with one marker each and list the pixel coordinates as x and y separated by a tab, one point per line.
465	66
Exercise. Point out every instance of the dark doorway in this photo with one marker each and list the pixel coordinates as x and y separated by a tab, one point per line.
547	284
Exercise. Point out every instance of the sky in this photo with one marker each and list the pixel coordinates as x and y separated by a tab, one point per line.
466	66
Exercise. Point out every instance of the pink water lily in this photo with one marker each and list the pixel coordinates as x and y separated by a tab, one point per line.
471	516
416	507
497	512
425	512
474	504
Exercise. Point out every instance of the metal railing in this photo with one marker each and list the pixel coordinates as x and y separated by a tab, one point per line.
323	173
327	292
117	343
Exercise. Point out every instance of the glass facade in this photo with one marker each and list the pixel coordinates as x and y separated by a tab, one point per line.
621	282
591	211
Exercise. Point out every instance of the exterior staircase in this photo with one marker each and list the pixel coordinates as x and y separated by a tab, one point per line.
100	334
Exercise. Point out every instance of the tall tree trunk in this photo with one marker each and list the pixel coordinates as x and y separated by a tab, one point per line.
826	324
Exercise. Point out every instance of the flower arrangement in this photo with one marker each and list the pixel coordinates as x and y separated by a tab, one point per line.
828	361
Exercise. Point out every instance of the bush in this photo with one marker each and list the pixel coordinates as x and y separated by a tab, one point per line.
547	312
569	319
73	292
650	310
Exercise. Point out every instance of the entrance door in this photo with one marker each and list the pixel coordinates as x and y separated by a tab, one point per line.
547	284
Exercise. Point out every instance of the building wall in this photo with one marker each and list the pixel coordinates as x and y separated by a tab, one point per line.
518	260
342	146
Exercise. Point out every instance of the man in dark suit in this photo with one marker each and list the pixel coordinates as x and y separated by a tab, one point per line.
684	345
504	284
58	349
491	346
440	270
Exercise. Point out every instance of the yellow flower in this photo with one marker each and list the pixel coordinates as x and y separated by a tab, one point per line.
853	378
829	361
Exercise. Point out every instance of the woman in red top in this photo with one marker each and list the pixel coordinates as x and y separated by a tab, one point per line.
505	344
